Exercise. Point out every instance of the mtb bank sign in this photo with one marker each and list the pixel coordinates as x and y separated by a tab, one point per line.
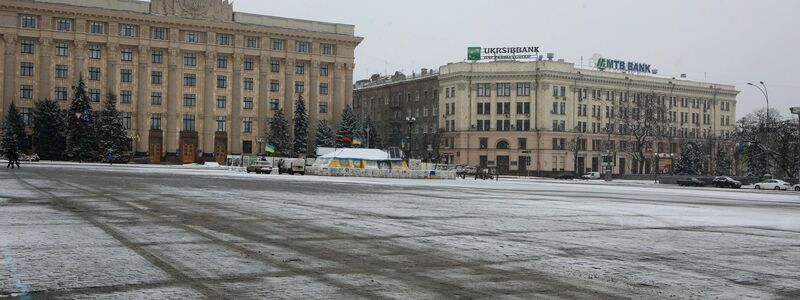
502	53
621	65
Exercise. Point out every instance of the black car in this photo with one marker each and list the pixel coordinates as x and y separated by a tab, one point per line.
726	182
691	182
566	175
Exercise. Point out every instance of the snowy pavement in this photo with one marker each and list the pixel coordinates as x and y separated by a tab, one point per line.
109	232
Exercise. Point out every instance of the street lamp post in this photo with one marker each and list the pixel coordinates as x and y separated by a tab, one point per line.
367	130
796	111
260	141
766	96
410	120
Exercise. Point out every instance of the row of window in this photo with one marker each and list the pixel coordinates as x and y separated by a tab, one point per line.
188	36
503	89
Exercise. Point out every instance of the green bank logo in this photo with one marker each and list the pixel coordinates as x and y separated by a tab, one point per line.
601	64
474	53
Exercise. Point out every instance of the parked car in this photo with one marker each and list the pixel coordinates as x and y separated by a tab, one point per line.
292	166
691	182
773	184
566	175
726	182
591	175
260	166
797	187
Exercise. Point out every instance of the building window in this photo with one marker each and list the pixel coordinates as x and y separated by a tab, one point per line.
483	143
484	89
94	73
63	24
62	49
277	45
26	46
97	27
61	93
323	107
157	56
190	59
247	147
326	49
95	52
223	39
302	47
156	77
503	125
126	119
189	79
127	30
503	89
125	97
503	108
483	125
155	121
126	54
523	125
523	107
484	108
221	123
61	71
27	21
125	75
27	115
300	68
523	89
26	91
251	42
222	62
248	84
222	81
188	122
94	95
189	100
274	85
249	63
275	66
26	69
274	104
323	88
247	125
299	87
192	37
323	69
248	102
221	101
158	33
155	98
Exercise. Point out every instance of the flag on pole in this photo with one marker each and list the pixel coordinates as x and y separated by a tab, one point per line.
356	140
269	148
347	139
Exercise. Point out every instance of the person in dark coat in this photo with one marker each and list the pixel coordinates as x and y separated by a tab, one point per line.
12	158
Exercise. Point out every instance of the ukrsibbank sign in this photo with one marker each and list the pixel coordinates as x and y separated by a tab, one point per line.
621	65
502	53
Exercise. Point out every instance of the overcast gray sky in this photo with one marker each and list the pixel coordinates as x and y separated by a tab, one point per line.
731	42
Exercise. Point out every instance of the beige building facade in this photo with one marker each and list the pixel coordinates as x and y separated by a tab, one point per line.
529	117
194	79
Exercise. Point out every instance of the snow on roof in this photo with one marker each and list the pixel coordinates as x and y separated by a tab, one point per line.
364	154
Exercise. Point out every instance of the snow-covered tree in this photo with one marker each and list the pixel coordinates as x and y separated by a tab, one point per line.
756	161
81	138
112	138
278	134
14	138
300	129
325	135
691	160
724	162
348	128
49	122
372	136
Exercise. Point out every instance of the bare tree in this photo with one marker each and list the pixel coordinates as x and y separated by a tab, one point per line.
642	121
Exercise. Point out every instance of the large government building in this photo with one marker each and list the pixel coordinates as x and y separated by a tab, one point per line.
195	80
545	116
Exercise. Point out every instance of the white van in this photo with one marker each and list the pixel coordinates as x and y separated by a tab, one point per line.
591	175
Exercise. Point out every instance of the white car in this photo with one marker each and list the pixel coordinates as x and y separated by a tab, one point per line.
797	187
591	175
773	184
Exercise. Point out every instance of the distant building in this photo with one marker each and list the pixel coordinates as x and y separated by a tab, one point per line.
195	79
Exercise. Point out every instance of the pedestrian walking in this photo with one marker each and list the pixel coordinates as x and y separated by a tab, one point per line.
110	156
12	158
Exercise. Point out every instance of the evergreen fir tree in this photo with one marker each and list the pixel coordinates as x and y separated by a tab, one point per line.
372	135
757	161
326	138
724	162
300	129
14	138
278	134
49	122
348	128
691	160
112	138
81	138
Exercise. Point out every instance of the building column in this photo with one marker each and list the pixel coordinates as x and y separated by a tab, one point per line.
46	69
172	126
288	91
9	72
348	83
142	132
79	58
312	101
338	102
263	96
206	127
235	132
111	68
